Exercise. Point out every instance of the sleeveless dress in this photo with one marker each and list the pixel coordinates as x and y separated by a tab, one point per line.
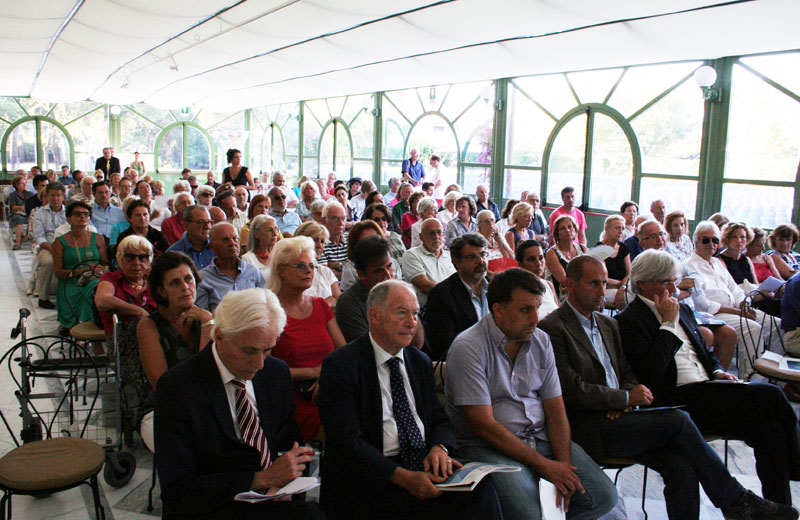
304	343
762	271
240	180
174	346
73	301
562	295
739	269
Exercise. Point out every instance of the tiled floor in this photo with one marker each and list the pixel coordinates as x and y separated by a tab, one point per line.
130	501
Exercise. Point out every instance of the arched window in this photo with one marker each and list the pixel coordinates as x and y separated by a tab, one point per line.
36	140
183	145
336	148
432	133
273	149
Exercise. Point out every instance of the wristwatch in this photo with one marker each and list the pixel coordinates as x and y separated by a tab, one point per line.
668	324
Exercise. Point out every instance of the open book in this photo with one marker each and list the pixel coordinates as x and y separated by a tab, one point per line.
298	485
466	478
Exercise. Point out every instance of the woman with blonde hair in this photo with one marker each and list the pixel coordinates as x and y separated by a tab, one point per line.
308	194
311	332
496	244
426	208
448	212
618	265
565	230
521	218
325	284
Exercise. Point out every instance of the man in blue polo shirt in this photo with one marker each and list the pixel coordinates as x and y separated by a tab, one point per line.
194	242
413	170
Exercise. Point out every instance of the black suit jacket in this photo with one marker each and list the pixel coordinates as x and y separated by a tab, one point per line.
354	469
201	464
583	378
651	350
448	312
100	164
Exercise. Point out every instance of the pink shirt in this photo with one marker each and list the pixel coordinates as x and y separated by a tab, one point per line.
575	213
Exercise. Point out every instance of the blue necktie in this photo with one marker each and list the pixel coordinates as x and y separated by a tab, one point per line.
412	445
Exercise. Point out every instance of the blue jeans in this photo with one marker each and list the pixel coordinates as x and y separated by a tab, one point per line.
519	492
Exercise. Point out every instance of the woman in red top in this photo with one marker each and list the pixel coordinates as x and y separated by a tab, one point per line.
410	217
764	265
311	332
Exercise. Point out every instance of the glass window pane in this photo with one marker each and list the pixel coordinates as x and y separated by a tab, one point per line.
432	134
318	109
344	157
311	134
170	153
156	115
474	132
290	127
21	147
408	103
676	194
641	84
198	150
35	107
362	169
527	132
550	91
473	176
363	134
745	203
462	95
89	135
781	68
612	164
310	168
479	145
389	169
516	181
55	147
566	161
669	132
355	107
326	151
10	110
395	128
292	166
273	149
66	112
138	134
593	86
335	106
763	134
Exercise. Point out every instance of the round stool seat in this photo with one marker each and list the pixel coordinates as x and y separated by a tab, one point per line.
87	331
51	464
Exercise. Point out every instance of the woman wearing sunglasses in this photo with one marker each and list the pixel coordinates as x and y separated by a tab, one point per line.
311	332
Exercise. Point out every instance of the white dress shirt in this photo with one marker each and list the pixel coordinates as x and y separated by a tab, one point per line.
714	285
230	390
391	439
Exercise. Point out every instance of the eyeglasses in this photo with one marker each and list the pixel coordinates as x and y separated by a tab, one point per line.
474	256
302	267
706	240
206	194
656	235
277	196
81	214
334	218
130	257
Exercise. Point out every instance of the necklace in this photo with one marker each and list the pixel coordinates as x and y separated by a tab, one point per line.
261	255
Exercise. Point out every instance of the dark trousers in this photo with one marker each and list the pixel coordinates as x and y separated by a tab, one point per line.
395	503
758	414
670	443
269	510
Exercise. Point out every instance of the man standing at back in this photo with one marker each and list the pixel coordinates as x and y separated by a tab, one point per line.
108	163
568	208
413	171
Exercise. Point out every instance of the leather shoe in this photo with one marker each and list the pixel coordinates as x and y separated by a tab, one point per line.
792	391
752	507
47	304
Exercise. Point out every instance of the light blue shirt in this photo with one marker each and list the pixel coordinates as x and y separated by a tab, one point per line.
215	284
593	333
201	259
455	228
45	222
288	222
116	229
480	373
479	302
104	218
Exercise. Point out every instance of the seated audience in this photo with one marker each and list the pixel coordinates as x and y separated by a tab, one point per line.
287	221
84	193
598	397
16	202
335	252
262	237
520	219
143	190
374	197
325	284
322	189
125	292
226	201
530	256
308	192
227	272
734	238
410	217
426	265
194	241
104	214
538	224
358	202
618	265
386	445
173	227
463	222
401	206
360	230
629	210
719	219
504	224
138	215
448	210
259	205
459	301
782	241
482	201
242	198
679	244
311	332
426	208
203	464
78	258
565	230
45	222
205	195
40	182
217	215
660	340
382	215
340	195
316	210
763	264
658	211
632	242
504	399
496	245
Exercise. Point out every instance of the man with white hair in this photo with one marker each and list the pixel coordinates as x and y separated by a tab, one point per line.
661	341
335	251
227	272
242	198
279	180
426	265
194	242
658	210
394	185
387	437
716	293
412	169
173	227
223	416
288	221
483	202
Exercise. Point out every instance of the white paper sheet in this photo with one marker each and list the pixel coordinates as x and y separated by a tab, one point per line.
547	497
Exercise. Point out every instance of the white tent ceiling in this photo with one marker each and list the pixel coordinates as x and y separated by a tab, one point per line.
229	54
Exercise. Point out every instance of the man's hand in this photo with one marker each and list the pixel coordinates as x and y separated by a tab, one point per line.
419	484
439	463
283	470
749	313
564	478
613	415
724	376
640	395
667	307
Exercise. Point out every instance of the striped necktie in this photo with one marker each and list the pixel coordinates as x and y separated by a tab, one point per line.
249	426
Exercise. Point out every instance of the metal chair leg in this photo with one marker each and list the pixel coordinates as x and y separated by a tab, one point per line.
99	511
5	506
150	491
644	491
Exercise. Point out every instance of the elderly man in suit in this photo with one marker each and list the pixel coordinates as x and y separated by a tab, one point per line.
600	389
668	354
458	301
223	416
388	440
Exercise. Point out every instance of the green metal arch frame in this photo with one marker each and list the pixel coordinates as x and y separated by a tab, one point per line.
329	122
270	126
38	122
589	109
459	162
211	145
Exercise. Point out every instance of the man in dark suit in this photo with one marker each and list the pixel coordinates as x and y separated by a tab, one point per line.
459	301
107	163
599	390
668	354
222	417
387	437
